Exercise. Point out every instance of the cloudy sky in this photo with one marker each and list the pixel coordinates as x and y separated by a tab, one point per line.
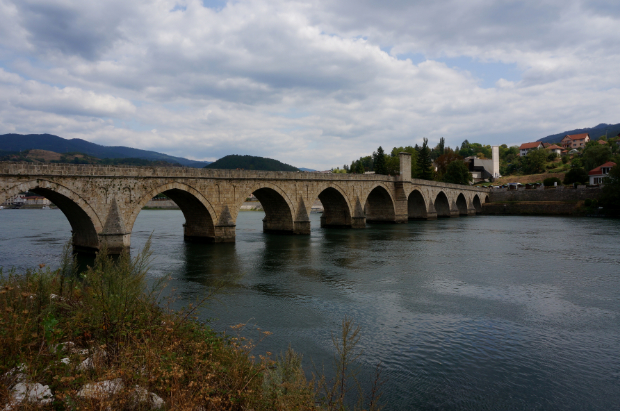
312	83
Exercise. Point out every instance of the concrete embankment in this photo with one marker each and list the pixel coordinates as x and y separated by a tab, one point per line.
549	201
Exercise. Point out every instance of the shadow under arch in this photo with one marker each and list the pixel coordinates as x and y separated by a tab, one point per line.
416	206
442	205
477	204
199	224
336	210
461	204
85	224
278	213
379	207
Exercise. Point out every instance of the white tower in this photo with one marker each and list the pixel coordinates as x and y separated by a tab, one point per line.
495	157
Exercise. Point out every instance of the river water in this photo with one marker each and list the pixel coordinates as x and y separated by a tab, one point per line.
471	313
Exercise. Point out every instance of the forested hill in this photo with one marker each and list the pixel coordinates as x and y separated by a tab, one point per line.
596	132
49	142
234	161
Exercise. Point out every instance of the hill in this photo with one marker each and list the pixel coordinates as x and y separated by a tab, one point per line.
596	132
234	161
49	142
45	156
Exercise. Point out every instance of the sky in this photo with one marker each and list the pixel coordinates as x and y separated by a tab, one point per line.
312	83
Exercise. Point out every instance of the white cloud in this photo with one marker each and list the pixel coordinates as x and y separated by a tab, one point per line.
311	83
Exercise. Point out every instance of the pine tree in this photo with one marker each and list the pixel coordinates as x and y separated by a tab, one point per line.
379	162
425	163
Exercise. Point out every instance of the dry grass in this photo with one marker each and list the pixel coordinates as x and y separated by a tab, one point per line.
46	155
531	178
110	319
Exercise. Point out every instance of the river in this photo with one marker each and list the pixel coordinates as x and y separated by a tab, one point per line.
470	313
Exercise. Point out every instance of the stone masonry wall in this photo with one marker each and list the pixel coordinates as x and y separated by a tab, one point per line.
562	194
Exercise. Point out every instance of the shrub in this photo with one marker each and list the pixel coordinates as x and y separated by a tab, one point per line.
548	182
109	317
576	175
564	159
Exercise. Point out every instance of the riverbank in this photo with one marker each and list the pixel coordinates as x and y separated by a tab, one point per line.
99	340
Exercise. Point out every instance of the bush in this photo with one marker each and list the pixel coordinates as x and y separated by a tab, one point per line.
548	182
576	175
108	317
610	197
564	159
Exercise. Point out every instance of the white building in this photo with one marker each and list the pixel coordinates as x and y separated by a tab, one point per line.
599	173
527	147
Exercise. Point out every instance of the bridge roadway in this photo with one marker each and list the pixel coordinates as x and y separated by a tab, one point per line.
103	202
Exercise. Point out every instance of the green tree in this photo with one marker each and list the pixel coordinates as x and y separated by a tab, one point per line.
425	163
392	164
595	155
465	150
535	161
444	161
576	175
610	197
380	163
457	173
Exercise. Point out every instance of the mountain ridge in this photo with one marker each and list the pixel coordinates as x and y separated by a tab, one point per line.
595	132
19	142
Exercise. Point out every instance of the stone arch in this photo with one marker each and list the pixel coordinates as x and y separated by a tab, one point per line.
416	206
200	216
442	205
279	210
380	206
85	223
487	199
461	204
476	203
336	208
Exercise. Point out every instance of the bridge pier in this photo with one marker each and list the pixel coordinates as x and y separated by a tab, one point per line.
115	243
454	211
471	211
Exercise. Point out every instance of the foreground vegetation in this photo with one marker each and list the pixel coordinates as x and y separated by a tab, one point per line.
100	340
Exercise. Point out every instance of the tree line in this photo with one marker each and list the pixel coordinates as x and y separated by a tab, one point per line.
439	163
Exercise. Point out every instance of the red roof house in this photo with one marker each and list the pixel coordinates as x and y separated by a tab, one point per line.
526	147
575	140
599	173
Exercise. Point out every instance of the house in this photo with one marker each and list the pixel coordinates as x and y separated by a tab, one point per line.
37	200
602	142
481	170
599	173
16	200
555	149
575	140
527	147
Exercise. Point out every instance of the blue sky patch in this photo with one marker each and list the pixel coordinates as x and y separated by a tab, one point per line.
214	4
488	73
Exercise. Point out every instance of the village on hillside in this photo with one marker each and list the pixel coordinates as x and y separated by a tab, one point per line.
574	160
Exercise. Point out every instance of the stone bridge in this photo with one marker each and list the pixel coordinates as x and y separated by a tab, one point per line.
103	202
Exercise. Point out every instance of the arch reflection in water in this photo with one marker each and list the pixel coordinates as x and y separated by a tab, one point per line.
210	266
